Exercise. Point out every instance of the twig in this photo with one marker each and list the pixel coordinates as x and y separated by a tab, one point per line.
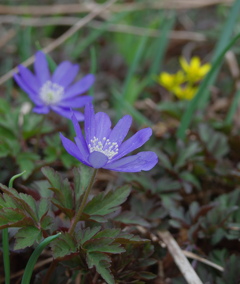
203	260
88	7
181	261
48	21
62	38
7	37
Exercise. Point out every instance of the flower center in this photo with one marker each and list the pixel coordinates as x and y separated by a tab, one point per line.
108	148
51	93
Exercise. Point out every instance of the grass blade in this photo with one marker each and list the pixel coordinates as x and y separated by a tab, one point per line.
225	37
34	257
233	108
187	117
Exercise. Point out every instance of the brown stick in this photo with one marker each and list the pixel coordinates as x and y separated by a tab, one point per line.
88	7
46	21
62	38
181	261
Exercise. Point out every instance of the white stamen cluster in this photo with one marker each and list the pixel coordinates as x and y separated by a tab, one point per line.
108	148
51	93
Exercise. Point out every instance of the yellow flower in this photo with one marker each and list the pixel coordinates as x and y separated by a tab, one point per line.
185	93
171	81
194	71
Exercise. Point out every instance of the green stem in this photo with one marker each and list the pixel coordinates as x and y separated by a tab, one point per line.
81	208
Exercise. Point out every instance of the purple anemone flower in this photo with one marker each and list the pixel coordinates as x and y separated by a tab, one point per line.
103	147
54	92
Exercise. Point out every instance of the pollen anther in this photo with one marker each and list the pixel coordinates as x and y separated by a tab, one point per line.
105	146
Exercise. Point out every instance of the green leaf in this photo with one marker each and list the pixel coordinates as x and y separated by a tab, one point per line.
26	237
129	217
60	187
106	204
102	264
85	235
82	177
103	245
27	162
64	245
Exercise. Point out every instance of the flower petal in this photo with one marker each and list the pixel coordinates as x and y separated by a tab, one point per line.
120	130
97	159
80	87
41	109
65	73
80	141
83	148
75	102
67	112
72	149
90	123
103	125
143	161
136	141
41	67
29	78
32	95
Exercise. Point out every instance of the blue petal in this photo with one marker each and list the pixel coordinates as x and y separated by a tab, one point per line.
97	159
120	130
41	67
72	149
83	148
103	125
29	78
75	102
80	87
67	112
41	109
136	141
65	73
32	95
90	123
143	161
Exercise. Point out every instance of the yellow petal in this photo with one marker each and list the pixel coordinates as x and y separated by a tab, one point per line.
195	62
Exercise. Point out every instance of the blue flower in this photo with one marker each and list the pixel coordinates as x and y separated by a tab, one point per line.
54	92
103	147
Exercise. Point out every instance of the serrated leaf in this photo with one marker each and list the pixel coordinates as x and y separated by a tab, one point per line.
64	245
102	264
61	187
43	207
83	236
125	238
129	217
26	237
106	204
103	245
82	177
108	233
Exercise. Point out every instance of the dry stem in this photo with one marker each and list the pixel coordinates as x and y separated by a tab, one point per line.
181	261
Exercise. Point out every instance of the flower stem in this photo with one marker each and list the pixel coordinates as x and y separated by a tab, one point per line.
81	208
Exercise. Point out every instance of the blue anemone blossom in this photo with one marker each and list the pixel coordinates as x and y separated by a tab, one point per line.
54	92
103	147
